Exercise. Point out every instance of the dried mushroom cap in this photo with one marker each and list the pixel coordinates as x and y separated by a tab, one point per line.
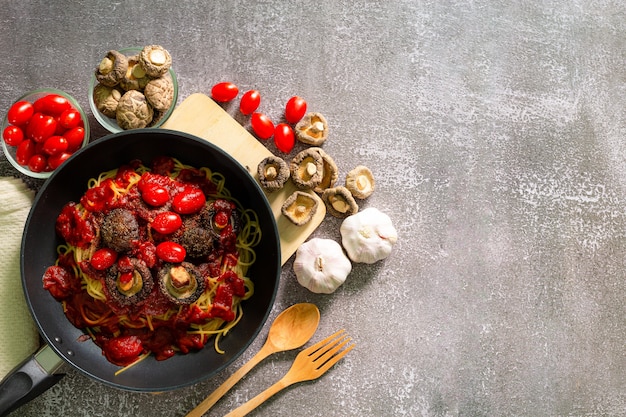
106	99
299	208
360	182
312	129
330	172
155	60
160	92
339	202
273	173
307	169
112	68
135	77
133	111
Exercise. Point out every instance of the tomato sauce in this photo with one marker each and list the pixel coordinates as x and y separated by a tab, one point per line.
125	331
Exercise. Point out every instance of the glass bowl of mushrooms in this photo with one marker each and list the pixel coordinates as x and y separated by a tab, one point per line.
133	88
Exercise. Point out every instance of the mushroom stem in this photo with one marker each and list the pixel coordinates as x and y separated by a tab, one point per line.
311	169
271	173
180	277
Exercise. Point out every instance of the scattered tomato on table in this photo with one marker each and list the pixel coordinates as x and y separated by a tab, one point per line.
295	109
224	91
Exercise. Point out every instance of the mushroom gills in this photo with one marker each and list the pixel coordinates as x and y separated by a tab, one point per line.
299	208
307	169
360	182
129	283
340	202
181	283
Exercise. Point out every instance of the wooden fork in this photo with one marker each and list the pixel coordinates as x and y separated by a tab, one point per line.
311	363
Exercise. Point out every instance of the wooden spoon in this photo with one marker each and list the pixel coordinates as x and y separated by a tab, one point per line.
291	329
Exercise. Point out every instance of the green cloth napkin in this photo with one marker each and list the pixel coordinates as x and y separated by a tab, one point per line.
18	332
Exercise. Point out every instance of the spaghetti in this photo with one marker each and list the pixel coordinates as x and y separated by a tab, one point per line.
154	260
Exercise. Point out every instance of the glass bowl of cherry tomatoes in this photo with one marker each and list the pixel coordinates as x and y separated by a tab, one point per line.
41	129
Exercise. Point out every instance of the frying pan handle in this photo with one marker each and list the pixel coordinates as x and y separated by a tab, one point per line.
29	379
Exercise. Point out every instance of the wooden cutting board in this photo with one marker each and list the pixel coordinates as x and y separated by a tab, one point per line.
199	115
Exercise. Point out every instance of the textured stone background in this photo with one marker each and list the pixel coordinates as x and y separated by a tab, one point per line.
496	133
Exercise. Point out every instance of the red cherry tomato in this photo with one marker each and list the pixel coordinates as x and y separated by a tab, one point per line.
13	135
221	219
284	138
75	137
295	109
70	119
170	252
55	145
37	163
262	125
190	200
224	92
52	104
24	151
41	127
250	102
54	161
103	259
155	195
20	113
167	222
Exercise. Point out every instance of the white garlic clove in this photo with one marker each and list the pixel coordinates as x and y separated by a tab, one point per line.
321	265
368	236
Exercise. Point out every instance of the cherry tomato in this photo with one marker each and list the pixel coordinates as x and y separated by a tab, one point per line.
262	125
103	259
221	219
70	119
167	222
55	145
13	135
54	161
75	137
41	127
52	104
224	91
169	251
284	137
20	113
155	195
250	102
295	109
189	201
24	151
37	163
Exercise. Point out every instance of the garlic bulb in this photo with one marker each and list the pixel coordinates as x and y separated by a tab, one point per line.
321	266
368	236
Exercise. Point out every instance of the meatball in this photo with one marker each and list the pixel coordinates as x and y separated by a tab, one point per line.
197	241
119	229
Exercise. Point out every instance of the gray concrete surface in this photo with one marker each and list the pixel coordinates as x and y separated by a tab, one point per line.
496	131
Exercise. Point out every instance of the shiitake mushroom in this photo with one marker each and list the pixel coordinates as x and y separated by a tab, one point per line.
112	68
340	202
180	283
273	173
129	287
299	208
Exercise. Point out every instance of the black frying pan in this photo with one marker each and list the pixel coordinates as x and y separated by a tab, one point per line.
38	252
